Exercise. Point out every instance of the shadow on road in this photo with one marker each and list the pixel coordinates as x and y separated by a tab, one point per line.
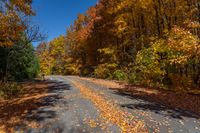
147	102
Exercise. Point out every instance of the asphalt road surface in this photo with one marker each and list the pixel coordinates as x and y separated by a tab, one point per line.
68	111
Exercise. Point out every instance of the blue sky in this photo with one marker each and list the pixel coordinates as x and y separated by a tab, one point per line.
54	16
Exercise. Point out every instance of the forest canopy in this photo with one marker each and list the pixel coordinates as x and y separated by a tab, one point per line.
149	42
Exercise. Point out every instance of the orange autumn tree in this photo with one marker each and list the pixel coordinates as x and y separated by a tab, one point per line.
11	23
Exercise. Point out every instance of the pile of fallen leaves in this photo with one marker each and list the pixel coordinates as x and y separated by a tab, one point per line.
126	121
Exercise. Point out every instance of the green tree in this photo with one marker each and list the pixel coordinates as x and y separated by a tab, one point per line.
22	62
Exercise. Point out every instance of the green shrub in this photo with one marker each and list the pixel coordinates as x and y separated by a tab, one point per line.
119	75
9	90
149	67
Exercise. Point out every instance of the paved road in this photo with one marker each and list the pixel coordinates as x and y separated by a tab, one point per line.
68	111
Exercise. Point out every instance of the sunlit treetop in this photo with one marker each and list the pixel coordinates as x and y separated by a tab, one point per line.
11	24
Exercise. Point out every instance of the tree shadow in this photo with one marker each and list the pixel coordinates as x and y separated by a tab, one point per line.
147	102
34	106
57	87
42	112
